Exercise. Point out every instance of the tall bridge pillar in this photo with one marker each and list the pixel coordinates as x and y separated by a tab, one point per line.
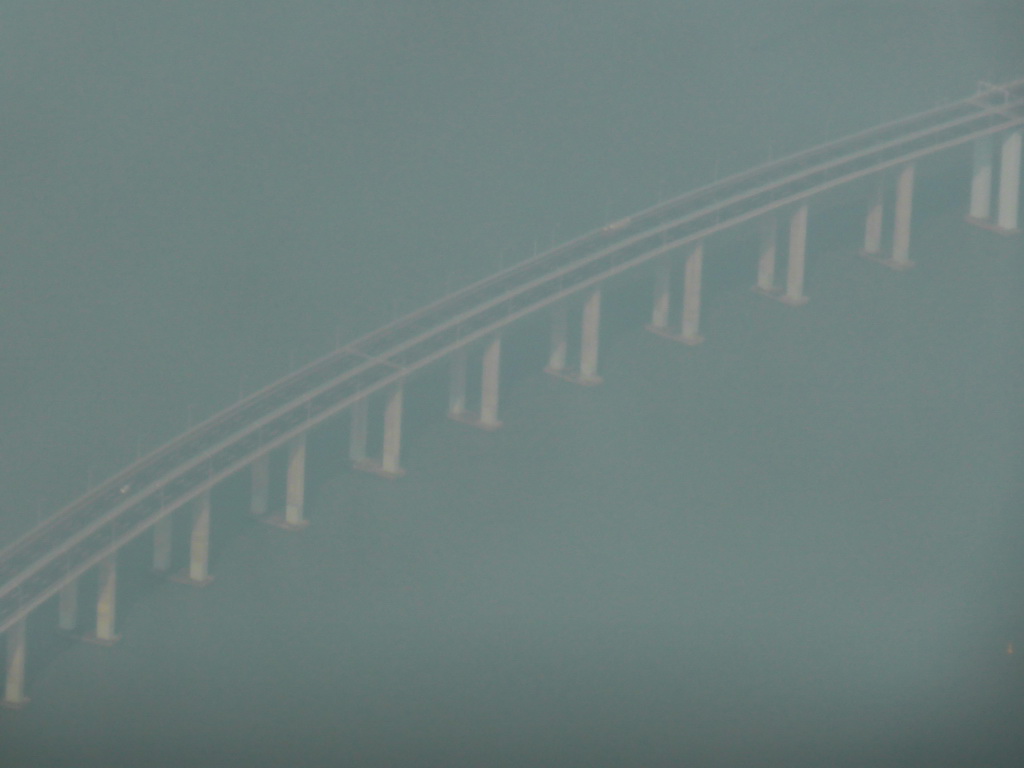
1009	183
260	496
106	602
14	685
901	221
980	211
590	330
162	538
794	294
295	487
689	326
766	259
360	415
662	297
875	217
198	571
982	176
558	356
489	386
67	606
457	386
388	466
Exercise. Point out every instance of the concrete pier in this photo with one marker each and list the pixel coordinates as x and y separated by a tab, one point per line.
901	221
162	538
259	499
489	384
106	603
794	294
389	463
490	377
690	326
558	355
360	412
295	487
873	225
662	297
1009	183
388	466
589	339
766	259
67	607
457	386
586	374
198	571
14	686
980	211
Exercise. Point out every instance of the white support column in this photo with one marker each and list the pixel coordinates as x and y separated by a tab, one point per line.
901	222
873	225
690	328
295	487
489	383
198	573
457	386
360	411
259	499
14	687
662	296
389	465
590	339
162	537
67	607
559	340
106	602
794	294
766	260
980	211
1009	183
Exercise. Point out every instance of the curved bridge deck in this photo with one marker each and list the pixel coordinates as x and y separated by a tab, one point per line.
56	552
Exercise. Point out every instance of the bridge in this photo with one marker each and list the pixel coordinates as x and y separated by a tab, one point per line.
49	560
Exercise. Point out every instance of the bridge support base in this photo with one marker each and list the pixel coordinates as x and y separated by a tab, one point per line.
294	505
388	466
14	687
106	604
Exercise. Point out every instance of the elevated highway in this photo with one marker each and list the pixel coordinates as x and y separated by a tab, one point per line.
49	560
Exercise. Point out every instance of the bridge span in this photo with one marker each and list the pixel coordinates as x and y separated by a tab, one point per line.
49	560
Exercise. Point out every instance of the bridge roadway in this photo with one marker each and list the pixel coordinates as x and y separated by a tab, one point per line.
80	536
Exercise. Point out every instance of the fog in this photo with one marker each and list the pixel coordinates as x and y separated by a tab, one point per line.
796	544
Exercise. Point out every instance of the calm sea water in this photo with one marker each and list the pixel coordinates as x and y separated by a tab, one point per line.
796	544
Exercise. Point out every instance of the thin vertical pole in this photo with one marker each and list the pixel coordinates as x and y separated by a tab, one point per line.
690	332
1009	182
901	220
489	383
797	244
589	338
